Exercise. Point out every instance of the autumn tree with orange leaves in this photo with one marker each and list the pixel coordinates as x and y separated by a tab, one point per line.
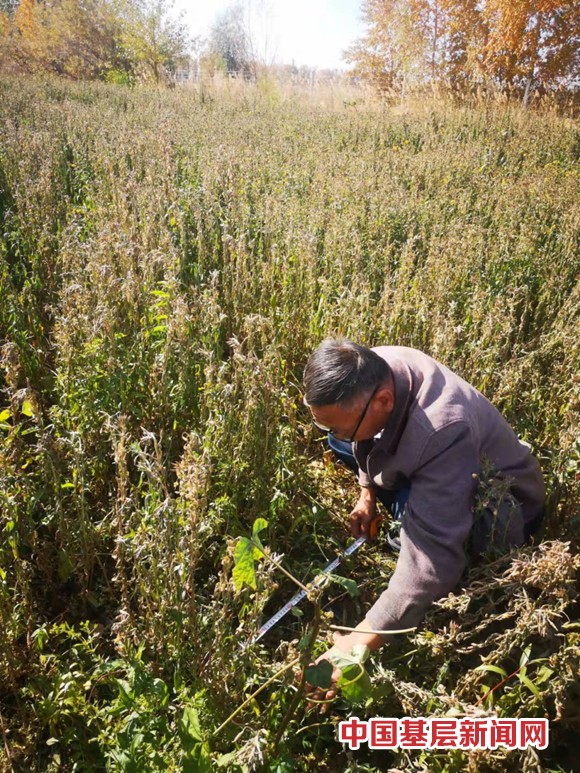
92	39
514	44
533	42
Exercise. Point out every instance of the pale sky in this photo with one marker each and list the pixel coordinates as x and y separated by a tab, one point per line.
306	32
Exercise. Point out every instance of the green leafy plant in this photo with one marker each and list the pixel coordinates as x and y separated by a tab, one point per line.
542	676
247	551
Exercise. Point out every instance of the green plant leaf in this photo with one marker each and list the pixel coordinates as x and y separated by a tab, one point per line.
198	760
259	525
6	414
340	659
244	564
320	675
160	689
65	567
494	669
544	674
347	583
189	728
360	653
526	655
126	694
355	683
227	759
530	685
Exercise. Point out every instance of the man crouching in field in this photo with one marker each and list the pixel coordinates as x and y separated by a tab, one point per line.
416	435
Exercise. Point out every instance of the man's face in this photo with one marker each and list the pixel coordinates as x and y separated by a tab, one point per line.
360	421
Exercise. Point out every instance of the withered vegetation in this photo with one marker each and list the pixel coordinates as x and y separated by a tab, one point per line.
167	263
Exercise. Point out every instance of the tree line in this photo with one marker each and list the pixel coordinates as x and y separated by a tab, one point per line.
123	41
116	40
516	45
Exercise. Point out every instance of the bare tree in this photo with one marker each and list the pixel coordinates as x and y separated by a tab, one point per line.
229	40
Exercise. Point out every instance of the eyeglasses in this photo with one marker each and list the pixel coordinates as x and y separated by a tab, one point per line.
359	422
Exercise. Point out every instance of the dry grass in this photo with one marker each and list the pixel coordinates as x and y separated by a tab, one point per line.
168	261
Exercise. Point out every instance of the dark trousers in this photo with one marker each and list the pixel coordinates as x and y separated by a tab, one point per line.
394	501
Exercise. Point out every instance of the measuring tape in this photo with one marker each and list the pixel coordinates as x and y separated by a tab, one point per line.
315	583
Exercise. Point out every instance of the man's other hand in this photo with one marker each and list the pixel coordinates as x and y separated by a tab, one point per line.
364	513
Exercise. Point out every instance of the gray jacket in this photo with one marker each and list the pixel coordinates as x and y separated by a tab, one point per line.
436	437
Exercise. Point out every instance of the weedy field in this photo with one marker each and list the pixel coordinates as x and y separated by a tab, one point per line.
168	260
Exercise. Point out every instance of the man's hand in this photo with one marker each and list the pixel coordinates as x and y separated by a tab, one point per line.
314	693
342	645
364	512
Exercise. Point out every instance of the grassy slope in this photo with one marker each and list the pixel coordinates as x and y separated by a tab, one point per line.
167	263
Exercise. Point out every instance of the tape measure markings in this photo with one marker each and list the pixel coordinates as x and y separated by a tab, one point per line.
301	594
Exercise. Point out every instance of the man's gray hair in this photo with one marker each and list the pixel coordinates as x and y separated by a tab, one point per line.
339	371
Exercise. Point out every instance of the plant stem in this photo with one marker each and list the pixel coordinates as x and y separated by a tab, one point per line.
285	668
305	659
370	630
499	684
6	744
281	568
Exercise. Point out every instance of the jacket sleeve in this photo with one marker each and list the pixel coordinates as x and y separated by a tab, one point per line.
364	480
434	529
